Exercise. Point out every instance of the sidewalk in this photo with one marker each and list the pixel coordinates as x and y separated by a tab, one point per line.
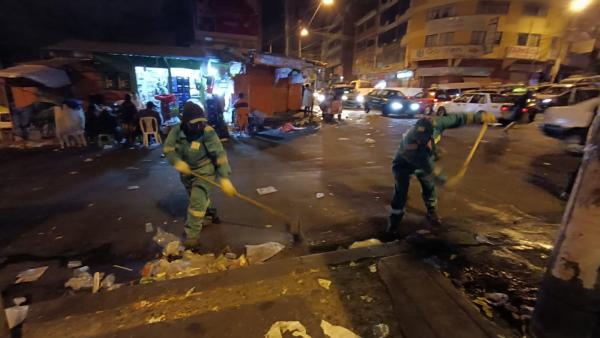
246	302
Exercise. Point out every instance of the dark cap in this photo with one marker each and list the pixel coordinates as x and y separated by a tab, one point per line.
193	112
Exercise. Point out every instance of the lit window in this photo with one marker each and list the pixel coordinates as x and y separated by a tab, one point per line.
446	39
534	40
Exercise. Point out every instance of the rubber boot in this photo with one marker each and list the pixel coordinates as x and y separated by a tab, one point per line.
191	243
433	218
214	216
393	225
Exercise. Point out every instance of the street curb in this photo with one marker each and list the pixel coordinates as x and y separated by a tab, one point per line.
79	304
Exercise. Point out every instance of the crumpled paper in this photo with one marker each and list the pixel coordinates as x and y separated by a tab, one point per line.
294	327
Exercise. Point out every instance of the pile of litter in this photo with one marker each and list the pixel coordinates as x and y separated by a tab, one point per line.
177	262
83	279
278	329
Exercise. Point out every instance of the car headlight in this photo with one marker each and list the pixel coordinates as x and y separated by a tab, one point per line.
320	97
414	106
360	98
546	100
344	97
396	105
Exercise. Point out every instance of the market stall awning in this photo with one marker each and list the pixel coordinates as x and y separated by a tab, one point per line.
47	76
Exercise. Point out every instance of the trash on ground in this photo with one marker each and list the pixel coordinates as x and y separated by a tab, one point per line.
19	300
343	139
84	268
366	298
266	190
96	282
353	264
149	227
73	172
230	255
30	275
369	140
365	243
380	330
107	146
89	159
191	264
497	298
262	252
132	168
373	268
58	237
122	267
174	248
156	319
163	238
278	329
485	307
133	187
90	205
190	291
74	264
547	164
16	315
483	240
334	331
423	232
324	283
269	226
80	280
108	282
320	195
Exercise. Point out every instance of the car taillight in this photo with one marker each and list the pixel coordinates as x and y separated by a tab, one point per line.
525	110
504	108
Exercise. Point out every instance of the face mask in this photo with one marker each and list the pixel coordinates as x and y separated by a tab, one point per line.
193	131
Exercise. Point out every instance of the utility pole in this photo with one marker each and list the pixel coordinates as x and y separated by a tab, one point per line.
286	13
569	299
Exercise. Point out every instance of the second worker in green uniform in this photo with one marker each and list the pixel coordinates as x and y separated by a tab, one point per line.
194	147
417	155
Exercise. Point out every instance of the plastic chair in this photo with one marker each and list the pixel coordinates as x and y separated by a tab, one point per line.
149	126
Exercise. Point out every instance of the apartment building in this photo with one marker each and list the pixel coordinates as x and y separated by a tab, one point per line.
439	41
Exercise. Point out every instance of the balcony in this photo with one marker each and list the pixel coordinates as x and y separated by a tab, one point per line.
448	52
457	23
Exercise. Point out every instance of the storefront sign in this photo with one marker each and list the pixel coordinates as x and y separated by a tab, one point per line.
443	71
522	52
405	74
449	52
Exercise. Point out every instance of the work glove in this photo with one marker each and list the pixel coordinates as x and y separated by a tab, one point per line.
228	187
487	118
183	167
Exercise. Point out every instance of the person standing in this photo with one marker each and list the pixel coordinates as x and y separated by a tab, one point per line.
127	112
417	155
307	100
242	111
194	148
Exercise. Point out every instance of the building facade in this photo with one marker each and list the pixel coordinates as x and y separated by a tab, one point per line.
424	42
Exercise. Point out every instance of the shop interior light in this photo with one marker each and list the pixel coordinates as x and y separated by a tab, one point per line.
327	2
406	74
212	71
579	5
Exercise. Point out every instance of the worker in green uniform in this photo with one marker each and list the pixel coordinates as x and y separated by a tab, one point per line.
194	147
417	155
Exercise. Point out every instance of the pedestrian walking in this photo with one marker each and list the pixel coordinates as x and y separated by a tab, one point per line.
193	147
417	155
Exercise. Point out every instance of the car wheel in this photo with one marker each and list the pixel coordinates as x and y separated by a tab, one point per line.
441	111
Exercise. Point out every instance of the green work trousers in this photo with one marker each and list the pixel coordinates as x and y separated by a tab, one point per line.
402	173
199	202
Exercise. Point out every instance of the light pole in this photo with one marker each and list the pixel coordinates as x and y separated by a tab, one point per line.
304	30
303	33
575	7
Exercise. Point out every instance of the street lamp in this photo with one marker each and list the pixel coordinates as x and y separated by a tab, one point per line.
579	5
327	2
304	31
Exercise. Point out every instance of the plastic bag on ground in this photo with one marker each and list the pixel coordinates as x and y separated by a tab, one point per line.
30	275
262	252
82	280
365	243
163	238
279	328
333	331
174	248
16	315
108	282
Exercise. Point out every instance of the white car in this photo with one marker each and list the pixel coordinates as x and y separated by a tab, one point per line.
570	119
474	102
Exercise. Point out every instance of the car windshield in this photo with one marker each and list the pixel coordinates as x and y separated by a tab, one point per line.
497	98
555	90
394	94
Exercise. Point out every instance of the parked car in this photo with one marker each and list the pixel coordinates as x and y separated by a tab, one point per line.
556	95
474	102
390	102
347	94
580	79
570	119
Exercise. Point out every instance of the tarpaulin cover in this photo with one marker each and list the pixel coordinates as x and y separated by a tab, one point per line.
47	76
